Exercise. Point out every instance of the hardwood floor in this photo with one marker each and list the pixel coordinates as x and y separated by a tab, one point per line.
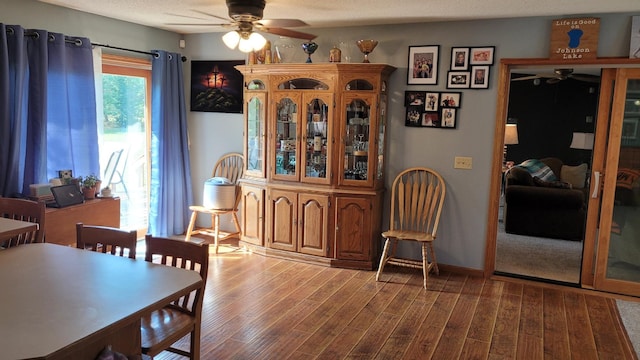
258	307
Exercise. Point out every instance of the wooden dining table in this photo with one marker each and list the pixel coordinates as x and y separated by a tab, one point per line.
10	228
59	302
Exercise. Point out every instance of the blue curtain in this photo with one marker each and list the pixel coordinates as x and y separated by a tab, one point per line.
171	192
47	108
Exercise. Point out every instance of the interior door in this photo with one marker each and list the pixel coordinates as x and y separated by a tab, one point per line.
617	259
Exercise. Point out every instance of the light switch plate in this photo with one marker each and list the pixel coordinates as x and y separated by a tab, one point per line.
462	162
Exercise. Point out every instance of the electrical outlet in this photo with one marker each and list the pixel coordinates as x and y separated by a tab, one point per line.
462	162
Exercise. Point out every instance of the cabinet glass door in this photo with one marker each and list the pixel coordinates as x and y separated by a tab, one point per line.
382	127
358	141
286	138
317	138
255	110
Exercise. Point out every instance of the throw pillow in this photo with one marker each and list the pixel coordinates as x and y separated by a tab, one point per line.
538	169
574	175
551	184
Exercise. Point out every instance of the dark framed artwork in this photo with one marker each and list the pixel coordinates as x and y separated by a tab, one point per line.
458	79
423	65
434	109
459	58
482	55
216	86
480	77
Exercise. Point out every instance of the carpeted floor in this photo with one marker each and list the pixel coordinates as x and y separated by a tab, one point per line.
551	259
630	314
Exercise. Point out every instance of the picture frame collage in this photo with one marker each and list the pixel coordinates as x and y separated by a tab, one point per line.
435	109
470	67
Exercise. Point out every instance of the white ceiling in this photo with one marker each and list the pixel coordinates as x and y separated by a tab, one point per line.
339	13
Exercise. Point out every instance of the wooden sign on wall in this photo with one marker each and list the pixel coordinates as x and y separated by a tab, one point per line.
574	38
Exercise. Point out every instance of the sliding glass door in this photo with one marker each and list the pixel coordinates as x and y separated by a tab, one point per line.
617	225
124	150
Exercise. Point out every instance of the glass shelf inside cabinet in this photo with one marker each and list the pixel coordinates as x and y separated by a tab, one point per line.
286	137
316	139
357	140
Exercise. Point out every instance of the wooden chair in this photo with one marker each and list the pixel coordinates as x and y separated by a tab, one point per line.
417	196
162	328
106	240
230	166
25	210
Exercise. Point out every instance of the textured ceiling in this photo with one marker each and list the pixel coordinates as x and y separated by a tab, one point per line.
339	13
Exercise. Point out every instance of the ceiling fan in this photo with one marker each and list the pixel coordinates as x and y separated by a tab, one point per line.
559	75
246	16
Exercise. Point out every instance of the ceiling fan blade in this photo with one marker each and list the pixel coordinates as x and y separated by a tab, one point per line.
287	33
281	23
212	15
186	16
586	78
554	80
208	24
532	77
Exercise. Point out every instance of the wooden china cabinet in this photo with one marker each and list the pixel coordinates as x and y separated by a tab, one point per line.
314	143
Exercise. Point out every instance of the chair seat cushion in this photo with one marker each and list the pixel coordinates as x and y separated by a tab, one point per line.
164	327
408	235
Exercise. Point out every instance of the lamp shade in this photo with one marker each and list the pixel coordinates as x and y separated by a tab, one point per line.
231	39
582	140
511	134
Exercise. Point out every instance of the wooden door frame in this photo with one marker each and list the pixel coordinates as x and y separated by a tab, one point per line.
502	104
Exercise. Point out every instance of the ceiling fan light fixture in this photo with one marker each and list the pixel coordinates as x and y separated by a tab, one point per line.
257	40
231	39
253	42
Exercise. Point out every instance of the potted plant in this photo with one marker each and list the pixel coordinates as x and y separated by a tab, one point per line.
89	186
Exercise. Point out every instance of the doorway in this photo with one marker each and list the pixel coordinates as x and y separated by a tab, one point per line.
589	265
550	125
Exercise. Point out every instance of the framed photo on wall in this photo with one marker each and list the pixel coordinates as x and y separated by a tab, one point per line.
458	79
480	77
423	65
451	99
432	109
482	55
459	58
448	118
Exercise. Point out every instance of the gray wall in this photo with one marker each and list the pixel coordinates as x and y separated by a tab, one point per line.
461	238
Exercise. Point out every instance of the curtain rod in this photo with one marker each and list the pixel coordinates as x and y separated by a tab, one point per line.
184	58
79	42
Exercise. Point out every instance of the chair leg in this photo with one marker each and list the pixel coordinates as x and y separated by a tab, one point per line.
433	259
383	259
195	343
216	224
425	265
192	223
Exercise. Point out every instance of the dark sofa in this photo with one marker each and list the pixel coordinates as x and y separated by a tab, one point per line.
544	209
